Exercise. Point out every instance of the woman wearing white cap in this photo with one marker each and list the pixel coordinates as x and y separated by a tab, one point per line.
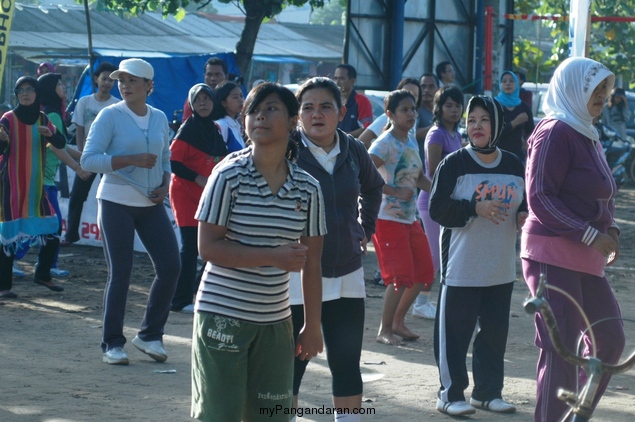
128	142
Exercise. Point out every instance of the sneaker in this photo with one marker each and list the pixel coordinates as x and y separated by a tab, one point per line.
154	349
496	405
17	272
428	310
455	408
56	272
189	309
116	356
377	278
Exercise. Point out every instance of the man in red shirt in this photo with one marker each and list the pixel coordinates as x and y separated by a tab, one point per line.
359	111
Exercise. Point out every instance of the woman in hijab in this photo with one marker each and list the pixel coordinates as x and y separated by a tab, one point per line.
52	94
197	147
26	215
570	234
518	116
477	197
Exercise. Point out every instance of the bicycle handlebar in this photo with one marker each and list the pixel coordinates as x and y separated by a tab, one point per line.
539	304
581	403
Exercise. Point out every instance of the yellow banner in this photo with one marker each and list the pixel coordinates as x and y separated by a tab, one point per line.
6	18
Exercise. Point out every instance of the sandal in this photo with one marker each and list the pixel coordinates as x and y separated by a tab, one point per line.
49	284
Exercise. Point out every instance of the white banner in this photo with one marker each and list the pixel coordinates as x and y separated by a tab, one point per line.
88	228
578	22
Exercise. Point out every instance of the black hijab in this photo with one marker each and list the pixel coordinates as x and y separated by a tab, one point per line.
201	132
50	101
497	120
27	114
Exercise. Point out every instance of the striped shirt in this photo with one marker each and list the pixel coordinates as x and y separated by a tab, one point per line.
238	197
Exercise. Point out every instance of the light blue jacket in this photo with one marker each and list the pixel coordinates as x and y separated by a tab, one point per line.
115	133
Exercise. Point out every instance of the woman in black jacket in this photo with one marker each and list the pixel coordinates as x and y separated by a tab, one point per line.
350	185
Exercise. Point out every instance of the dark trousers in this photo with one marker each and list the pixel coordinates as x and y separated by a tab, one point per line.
118	224
79	194
459	311
45	259
188	282
343	331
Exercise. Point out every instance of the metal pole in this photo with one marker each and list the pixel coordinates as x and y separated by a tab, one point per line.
480	41
91	58
396	43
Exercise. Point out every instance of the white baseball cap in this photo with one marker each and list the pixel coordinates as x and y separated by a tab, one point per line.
134	67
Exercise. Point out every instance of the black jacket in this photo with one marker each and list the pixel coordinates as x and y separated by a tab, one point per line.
353	191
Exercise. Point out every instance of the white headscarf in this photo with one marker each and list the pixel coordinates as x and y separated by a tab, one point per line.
570	90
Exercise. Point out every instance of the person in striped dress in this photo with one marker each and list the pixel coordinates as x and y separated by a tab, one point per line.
260	217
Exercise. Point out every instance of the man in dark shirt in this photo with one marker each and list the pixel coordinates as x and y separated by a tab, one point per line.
359	111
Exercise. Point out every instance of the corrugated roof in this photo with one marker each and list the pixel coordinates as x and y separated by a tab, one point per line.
61	31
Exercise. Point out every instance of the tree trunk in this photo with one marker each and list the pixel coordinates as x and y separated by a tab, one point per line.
256	11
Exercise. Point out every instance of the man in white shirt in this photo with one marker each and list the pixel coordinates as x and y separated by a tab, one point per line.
86	110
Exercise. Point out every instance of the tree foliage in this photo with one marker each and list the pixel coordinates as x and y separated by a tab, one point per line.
256	11
331	14
612	43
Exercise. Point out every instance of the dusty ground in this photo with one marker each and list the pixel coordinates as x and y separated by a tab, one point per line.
51	367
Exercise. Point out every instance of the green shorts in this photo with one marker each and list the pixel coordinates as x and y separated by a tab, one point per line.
241	370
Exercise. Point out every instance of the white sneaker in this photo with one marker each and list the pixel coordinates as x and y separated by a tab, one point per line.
154	349
116	356
56	272
455	408
428	310
189	309
496	405
377	278
17	272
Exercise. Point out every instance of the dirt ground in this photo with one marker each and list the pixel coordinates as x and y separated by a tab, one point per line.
51	367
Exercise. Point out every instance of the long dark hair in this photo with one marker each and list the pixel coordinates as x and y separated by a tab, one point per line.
262	91
442	95
615	93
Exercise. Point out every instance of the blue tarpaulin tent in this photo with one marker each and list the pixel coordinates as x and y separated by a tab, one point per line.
173	78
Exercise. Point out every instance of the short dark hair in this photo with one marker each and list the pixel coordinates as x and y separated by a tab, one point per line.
350	70
411	81
429	75
320	82
521	75
104	67
215	61
441	68
440	98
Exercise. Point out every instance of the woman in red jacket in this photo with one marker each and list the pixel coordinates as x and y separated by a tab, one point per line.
197	147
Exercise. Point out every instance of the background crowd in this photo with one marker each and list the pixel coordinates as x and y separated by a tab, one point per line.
280	194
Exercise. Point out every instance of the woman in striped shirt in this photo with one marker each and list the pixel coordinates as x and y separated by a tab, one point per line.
260	216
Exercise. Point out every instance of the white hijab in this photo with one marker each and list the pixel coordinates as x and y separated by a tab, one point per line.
570	90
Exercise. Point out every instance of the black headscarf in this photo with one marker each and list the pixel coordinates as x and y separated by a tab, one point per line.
497	120
201	132
50	101
27	114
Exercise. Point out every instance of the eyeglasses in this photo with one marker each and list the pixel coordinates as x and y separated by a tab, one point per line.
28	90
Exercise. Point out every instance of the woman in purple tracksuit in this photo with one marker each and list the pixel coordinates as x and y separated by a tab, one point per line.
570	233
